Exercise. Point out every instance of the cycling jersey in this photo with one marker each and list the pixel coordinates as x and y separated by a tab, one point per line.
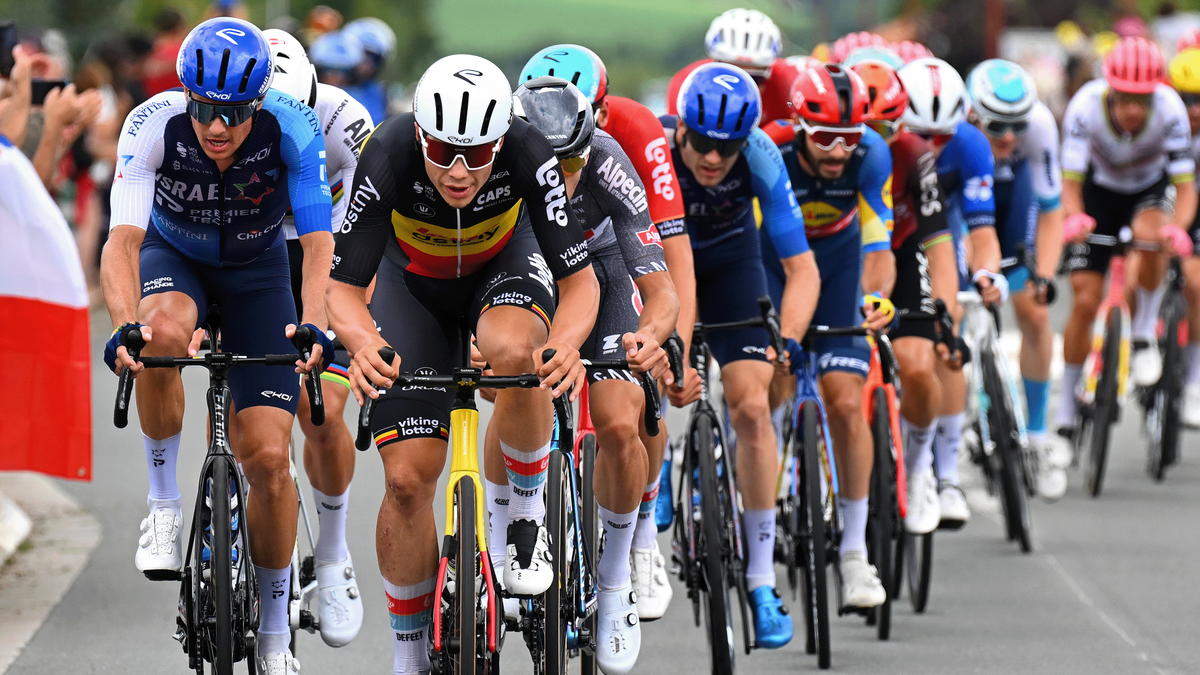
965	170
1016	218
637	130
346	124
394	210
920	225
1039	146
1121	162
373	95
219	218
776	90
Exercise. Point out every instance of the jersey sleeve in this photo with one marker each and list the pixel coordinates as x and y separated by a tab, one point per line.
618	190
930	202
977	166
1042	138
780	131
1076	147
545	193
343	140
368	224
303	147
139	154
781	215
875	195
643	138
1181	166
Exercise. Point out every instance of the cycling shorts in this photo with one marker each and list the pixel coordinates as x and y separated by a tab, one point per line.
620	307
255	301
839	257
419	317
338	372
1113	211
913	291
729	281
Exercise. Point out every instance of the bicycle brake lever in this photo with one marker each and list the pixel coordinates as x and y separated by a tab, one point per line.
363	440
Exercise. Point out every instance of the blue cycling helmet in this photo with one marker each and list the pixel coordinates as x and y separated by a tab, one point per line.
578	65
375	35
226	59
720	101
336	50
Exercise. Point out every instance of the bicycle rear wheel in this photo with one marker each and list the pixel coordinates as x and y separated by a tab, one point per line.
466	601
220	568
1007	454
558	598
881	522
716	598
1105	412
1165	402
812	537
591	533
919	556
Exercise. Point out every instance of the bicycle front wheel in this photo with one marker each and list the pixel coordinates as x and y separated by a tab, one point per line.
1007	453
221	567
812	537
1164	439
466	623
919	557
884	510
558	598
591	532
716	597
1106	403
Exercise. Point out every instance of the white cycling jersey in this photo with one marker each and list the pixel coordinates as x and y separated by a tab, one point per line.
346	124
1039	145
1122	162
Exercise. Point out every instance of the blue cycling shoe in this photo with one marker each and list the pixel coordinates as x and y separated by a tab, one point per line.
664	511
772	625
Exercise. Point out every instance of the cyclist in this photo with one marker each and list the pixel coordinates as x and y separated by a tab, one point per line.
937	112
1028	194
329	448
378	44
724	162
204	179
1185	77
841	175
847	44
336	55
750	40
911	51
1126	161
639	134
882	54
434	217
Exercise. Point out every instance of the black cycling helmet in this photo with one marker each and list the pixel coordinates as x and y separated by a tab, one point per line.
560	111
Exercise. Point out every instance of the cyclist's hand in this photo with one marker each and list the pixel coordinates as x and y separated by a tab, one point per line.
1176	240
878	311
790	349
993	288
197	339
690	392
650	357
1077	227
564	372
117	357
953	361
322	349
369	372
477	361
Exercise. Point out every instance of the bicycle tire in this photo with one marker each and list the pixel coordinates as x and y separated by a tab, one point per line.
221	568
919	556
1106	404
1004	435
591	532
883	514
554	644
719	623
466	623
1164	445
812	522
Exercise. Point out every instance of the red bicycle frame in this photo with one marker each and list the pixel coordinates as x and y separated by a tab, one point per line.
875	381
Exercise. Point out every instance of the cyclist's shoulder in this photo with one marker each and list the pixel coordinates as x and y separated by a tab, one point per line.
295	119
969	149
875	154
763	156
1088	101
631	123
335	103
155	111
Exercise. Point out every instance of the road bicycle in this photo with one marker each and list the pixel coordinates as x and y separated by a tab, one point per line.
1161	401
218	606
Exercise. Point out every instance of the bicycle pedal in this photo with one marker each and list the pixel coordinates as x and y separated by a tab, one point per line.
163	575
951	525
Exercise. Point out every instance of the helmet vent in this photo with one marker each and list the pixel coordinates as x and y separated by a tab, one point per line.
462	114
721	112
551	74
872	92
700	105
937	107
199	67
437	110
223	71
741	117
813	107
575	80
246	76
844	105
487	117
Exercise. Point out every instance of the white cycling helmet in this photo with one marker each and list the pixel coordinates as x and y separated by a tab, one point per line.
463	99
294	74
936	96
1001	90
746	38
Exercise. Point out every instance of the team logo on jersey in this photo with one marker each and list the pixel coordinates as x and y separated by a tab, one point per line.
656	152
650	237
978	188
181	149
556	196
424	210
253	189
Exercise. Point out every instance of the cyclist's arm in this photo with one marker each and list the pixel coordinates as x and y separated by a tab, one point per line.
876	216
1046	170
1181	165
677	251
660	306
1072	194
801	291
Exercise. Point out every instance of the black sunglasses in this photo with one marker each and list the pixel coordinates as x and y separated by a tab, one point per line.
1190	99
704	145
234	115
997	129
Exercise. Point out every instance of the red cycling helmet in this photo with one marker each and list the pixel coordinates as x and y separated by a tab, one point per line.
1134	66
848	43
911	51
1189	40
885	91
830	95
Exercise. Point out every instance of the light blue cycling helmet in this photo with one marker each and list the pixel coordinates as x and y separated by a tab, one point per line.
377	37
578	65
336	50
882	54
225	59
1001	90
720	101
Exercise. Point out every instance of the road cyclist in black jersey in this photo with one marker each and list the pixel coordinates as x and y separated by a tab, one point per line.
435	217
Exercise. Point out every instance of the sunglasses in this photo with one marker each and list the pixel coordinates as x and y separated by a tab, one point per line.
936	140
573	165
443	155
234	115
826	138
1190	99
885	128
997	129
704	145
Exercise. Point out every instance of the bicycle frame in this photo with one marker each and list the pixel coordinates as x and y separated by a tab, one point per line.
1114	300
877	378
979	330
808	392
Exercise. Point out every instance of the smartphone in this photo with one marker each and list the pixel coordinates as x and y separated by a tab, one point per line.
8	40
39	89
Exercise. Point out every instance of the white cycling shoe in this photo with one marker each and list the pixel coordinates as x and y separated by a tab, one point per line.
924	510
1145	367
339	603
159	555
1190	411
278	664
527	569
618	630
650	583
861	587
1054	455
953	506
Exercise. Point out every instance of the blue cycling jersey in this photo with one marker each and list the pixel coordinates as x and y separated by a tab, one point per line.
373	95
216	218
1016	209
965	171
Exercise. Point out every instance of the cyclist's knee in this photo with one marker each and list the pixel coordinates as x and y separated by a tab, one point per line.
266	468
407	489
846	405
171	327
750	415
619	434
512	353
1087	292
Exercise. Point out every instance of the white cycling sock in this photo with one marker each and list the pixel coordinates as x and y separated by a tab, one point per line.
1145	319
1067	405
760	544
331	521
647	527
1192	356
918	450
274	633
527	476
410	608
612	571
161	457
854	519
945	447
497	499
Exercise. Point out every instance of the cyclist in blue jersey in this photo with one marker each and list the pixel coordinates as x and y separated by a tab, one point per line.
841	174
937	112
1024	141
378	44
724	162
204	179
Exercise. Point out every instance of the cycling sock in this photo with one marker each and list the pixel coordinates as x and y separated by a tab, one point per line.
854	518
273	594
160	460
410	609
918	451
1037	398
760	540
527	476
1146	317
945	449
1066	396
612	571
331	520
777	424
1192	354
647	528
497	496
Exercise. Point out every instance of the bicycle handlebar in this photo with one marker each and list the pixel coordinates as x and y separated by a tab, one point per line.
649	389
769	321
304	338
674	347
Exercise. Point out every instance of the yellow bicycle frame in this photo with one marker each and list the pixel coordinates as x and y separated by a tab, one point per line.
464	463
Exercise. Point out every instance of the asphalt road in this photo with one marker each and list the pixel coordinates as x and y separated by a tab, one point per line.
1110	588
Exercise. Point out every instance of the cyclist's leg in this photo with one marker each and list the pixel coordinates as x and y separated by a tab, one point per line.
1145	271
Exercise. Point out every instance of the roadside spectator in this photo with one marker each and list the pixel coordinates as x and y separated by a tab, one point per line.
320	20
160	67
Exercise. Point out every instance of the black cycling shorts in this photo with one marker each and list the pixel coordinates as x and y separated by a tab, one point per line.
419	317
1113	211
338	371
620	307
913	291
